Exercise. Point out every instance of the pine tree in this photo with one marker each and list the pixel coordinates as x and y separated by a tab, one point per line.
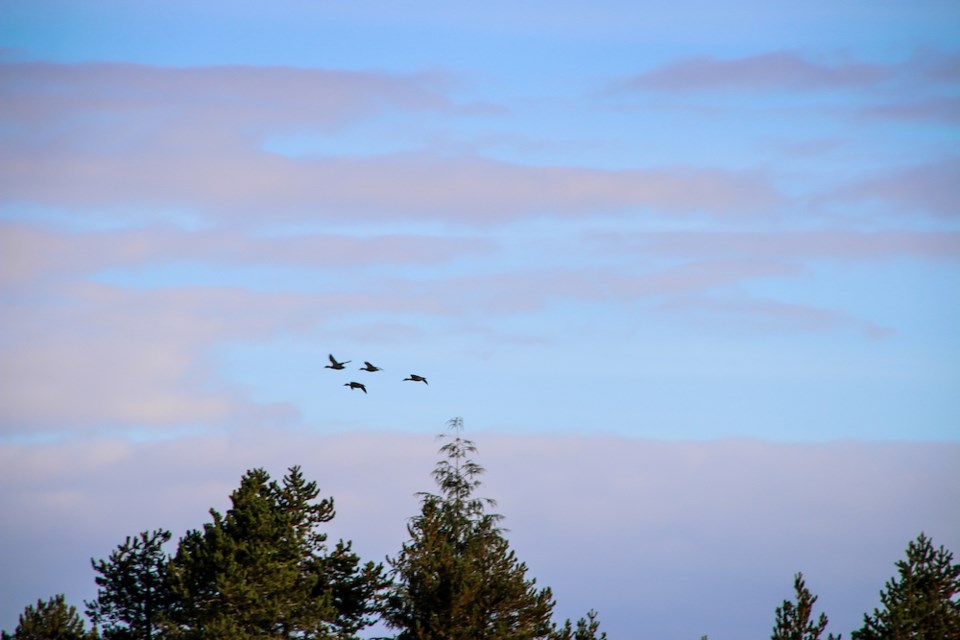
51	619
587	629
133	592
923	604
793	621
457	578
263	570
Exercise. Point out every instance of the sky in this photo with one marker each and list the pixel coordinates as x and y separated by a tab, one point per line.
690	274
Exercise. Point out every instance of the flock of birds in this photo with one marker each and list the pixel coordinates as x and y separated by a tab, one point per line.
334	364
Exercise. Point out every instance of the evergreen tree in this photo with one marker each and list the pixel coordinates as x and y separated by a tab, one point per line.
587	629
793	621
263	570
133	589
457	578
923	604
51	619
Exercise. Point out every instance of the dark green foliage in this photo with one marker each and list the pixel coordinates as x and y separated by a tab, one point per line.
923	604
793	621
456	578
355	590
587	629
263	570
51	619
133	592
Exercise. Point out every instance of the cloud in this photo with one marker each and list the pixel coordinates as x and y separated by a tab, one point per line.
150	103
247	186
82	355
764	314
936	66
791	71
112	137
919	89
88	355
29	253
532	289
766	71
732	258
942	109
829	244
109	357
672	519
932	188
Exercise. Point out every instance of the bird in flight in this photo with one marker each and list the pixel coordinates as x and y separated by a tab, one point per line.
356	385
334	364
369	367
415	378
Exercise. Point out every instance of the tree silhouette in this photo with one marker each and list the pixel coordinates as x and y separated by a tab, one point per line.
586	629
133	592
793	621
456	578
263	570
51	619
923	603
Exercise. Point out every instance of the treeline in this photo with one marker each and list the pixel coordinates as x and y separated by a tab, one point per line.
921	603
264	570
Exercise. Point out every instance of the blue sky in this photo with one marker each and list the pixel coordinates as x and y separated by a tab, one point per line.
691	226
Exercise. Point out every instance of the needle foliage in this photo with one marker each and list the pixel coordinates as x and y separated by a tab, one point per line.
264	571
456	578
922	603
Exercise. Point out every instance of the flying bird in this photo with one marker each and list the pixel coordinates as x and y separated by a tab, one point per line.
369	367
356	385
334	364
415	378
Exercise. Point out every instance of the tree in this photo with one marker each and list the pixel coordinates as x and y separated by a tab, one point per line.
263	570
457	578
51	619
587	629
793	621
923	604
133	592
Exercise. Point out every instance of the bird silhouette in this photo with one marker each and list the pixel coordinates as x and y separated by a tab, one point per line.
369	367
415	378
356	385
334	364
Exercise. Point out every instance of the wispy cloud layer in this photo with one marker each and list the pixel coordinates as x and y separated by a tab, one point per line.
96	136
109	357
777	70
251	187
835	244
932	188
29	254
767	315
145	103
91	355
793	71
932	110
88	355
